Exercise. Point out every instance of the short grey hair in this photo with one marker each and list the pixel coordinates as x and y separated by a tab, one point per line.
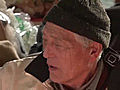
86	42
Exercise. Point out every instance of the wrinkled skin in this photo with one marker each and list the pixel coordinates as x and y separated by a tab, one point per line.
69	62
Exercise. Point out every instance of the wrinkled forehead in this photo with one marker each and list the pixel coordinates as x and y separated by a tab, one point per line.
57	32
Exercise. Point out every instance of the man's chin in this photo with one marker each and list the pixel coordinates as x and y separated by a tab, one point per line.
57	79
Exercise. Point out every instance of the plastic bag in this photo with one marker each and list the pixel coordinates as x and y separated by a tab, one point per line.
26	30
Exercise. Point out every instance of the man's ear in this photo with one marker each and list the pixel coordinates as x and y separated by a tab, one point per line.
95	49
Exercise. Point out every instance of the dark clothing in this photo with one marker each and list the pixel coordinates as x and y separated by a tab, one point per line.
38	46
114	14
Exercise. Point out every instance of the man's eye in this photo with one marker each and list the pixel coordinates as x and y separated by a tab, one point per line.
44	40
58	45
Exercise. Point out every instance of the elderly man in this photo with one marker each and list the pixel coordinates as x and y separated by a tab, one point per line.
75	34
74	37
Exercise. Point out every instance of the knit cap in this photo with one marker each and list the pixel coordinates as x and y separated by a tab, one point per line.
84	17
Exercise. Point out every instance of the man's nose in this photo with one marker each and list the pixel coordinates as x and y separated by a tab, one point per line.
48	51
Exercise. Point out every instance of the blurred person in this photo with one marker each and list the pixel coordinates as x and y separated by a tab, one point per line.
35	8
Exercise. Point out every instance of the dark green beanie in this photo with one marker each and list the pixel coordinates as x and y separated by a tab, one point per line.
84	17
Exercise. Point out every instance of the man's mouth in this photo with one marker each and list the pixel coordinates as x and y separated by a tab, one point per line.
52	68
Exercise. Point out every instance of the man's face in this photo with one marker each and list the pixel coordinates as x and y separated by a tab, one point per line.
67	59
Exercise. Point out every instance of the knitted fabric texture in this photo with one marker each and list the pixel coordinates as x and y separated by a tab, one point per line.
84	17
